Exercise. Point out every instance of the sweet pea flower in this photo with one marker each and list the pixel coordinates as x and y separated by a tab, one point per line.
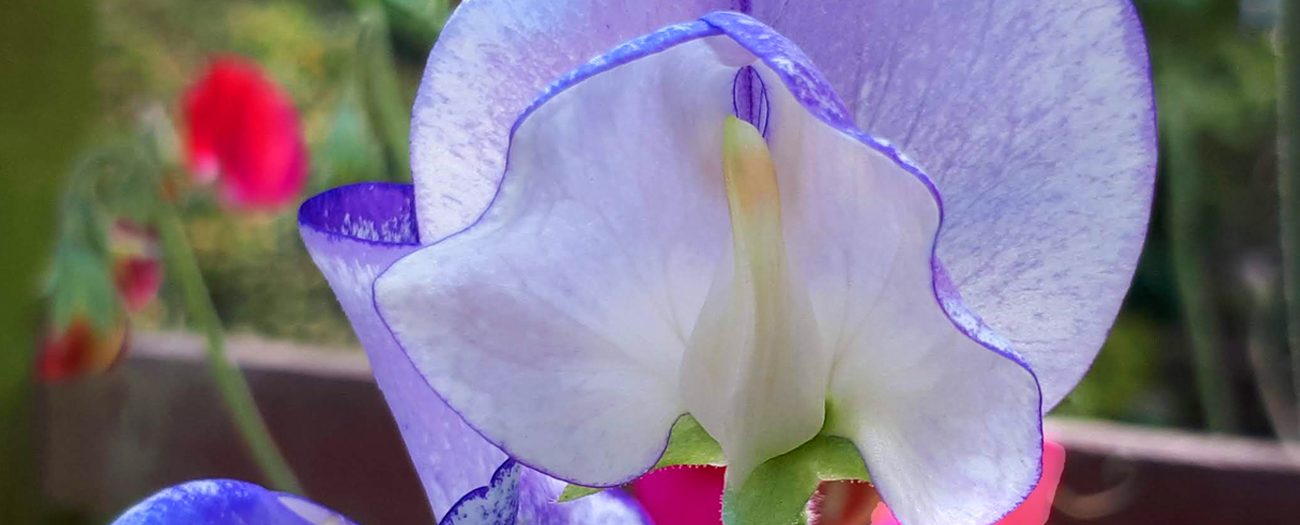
353	233
715	218
242	132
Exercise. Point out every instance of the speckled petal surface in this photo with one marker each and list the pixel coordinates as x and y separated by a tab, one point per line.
353	233
556	325
492	59
519	495
226	502
1036	122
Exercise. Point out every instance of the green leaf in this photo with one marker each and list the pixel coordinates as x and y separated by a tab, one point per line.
689	444
81	287
777	492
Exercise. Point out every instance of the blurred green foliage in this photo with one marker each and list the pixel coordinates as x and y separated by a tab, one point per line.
1213	65
42	119
336	61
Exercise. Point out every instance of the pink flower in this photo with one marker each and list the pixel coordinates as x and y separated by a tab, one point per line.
137	269
1033	511
243	132
685	495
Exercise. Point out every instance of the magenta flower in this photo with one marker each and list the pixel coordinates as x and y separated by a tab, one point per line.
137	264
714	217
242	132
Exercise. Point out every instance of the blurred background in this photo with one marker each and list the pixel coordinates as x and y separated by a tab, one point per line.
1200	344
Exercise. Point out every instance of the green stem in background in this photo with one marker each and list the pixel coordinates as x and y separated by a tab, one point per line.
1186	231
388	106
1289	177
231	384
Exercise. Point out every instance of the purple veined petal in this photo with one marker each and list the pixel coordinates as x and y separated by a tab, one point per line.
496	503
580	284
226	502
517	494
491	60
993	95
1036	121
353	233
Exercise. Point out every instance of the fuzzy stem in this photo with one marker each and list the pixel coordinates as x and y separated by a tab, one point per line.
230	382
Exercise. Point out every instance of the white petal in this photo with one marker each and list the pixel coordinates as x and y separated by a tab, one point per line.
1037	122
946	416
948	426
491	60
556	325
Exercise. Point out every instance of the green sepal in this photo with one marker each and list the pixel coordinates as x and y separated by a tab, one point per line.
688	444
81	287
777	492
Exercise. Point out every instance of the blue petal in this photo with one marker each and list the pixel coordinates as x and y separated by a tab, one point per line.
226	502
518	494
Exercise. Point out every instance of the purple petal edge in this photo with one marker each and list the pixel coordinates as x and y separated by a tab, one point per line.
383	214
352	233
354	230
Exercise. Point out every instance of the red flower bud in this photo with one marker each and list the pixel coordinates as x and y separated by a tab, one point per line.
80	349
243	132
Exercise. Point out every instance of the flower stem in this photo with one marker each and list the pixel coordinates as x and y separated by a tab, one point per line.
1289	176
231	384
1185	212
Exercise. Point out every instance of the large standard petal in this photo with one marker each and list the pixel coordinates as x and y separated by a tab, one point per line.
555	324
491	60
1036	121
226	502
